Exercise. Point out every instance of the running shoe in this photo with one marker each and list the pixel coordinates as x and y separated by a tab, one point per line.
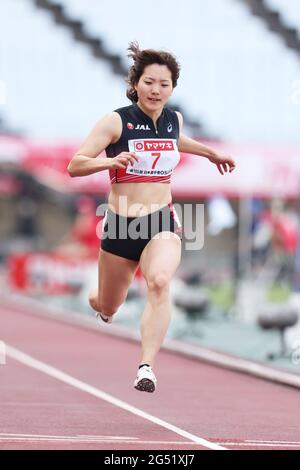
145	380
105	318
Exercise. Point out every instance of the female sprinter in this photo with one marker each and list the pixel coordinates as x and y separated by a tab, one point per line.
142	143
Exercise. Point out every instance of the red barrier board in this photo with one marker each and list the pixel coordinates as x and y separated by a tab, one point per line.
48	273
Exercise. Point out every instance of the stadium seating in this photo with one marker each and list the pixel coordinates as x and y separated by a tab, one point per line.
237	76
289	11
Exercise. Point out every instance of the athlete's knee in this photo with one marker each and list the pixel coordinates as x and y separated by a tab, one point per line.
158	282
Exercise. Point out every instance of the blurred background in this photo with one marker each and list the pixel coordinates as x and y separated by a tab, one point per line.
62	67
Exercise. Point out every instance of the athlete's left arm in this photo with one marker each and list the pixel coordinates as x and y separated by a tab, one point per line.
188	145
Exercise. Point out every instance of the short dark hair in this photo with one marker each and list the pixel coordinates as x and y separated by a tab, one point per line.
143	58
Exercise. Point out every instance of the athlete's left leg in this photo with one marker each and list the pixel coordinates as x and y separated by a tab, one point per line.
159	261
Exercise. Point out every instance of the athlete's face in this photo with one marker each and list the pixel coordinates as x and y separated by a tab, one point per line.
154	87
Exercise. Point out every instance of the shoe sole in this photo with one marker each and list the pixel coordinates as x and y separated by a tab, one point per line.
106	320
145	385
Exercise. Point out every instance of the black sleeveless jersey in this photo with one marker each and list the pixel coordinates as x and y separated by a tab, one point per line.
156	149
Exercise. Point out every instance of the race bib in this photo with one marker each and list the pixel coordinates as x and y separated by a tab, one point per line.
157	157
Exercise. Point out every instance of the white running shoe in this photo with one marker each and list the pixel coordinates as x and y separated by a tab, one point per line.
145	380
105	318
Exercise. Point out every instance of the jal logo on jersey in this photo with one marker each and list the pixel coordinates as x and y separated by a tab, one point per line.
139	127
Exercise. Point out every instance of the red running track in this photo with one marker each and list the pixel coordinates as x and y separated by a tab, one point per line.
42	411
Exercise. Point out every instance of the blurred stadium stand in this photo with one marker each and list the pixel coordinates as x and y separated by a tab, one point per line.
237	75
277	20
289	11
99	51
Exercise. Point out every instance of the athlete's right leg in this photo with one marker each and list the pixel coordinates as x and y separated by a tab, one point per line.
115	275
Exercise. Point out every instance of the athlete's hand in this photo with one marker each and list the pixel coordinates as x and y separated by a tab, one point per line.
123	160
224	163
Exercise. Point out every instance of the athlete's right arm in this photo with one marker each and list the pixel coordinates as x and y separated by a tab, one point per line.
106	131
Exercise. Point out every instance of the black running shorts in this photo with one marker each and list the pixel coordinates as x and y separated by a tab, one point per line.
128	236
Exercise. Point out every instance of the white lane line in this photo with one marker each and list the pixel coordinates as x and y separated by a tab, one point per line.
86	436
2	353
98	441
130	440
4	435
258	444
272	442
68	379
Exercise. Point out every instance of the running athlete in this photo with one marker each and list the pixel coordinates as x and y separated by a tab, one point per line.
142	143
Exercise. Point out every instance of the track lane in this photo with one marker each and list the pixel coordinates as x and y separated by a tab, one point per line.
218	405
